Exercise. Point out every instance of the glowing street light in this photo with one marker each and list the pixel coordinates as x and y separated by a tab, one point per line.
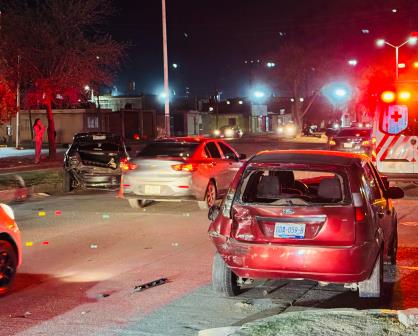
175	65
271	64
259	94
337	93
380	42
411	41
353	62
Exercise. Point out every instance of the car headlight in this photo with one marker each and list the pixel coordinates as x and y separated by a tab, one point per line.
229	132
290	130
8	210
216	132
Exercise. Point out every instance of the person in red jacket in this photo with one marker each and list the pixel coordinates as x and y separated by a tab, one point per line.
38	131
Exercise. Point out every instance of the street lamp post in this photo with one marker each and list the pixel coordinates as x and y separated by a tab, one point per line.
382	42
165	57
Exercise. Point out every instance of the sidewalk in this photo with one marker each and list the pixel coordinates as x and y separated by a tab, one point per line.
14	160
20	177
325	322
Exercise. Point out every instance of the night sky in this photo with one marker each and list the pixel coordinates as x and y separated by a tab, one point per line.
210	40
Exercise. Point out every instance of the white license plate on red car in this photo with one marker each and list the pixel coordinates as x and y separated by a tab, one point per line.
282	230
152	190
348	145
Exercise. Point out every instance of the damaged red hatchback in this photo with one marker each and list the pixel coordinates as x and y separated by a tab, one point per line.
316	215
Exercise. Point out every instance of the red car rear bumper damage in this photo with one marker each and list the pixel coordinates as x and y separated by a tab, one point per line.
273	261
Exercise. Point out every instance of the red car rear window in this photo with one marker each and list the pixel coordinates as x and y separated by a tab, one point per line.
294	187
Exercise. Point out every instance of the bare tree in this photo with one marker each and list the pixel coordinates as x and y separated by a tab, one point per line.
7	101
301	72
61	48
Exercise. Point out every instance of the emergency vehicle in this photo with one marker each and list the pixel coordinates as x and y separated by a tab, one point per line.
395	135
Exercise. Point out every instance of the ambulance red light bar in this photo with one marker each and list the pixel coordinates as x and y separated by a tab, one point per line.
388	96
404	95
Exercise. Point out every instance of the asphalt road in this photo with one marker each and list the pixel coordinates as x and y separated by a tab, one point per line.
85	253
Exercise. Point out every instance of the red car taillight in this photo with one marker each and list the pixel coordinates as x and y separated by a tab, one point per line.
125	165
359	214
185	167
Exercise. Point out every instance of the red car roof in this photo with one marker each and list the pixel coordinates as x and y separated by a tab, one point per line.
308	156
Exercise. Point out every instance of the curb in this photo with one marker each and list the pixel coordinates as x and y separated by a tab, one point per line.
22	194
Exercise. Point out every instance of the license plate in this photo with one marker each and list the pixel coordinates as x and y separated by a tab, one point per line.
99	137
152	190
289	231
348	145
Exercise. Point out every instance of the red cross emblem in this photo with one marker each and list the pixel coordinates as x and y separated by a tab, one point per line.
396	116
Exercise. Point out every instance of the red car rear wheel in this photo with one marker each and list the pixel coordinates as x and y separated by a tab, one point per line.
224	281
373	287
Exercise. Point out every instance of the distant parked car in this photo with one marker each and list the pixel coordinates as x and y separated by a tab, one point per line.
357	140
288	130
176	169
228	132
317	215
94	161
10	248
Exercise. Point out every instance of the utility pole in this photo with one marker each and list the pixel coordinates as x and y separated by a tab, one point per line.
165	57
17	101
217	96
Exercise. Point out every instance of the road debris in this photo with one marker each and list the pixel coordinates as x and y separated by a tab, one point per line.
102	295
29	243
408	317
57	212
105	216
25	315
257	304
150	284
41	213
93	246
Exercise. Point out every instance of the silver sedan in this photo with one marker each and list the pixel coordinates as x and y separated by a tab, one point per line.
177	169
